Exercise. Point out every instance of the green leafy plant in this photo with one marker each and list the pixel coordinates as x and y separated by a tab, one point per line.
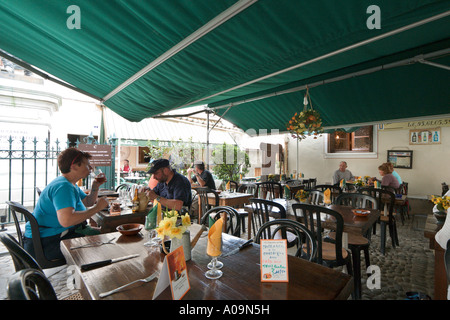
230	162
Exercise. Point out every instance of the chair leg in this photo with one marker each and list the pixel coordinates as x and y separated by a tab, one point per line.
383	237
392	235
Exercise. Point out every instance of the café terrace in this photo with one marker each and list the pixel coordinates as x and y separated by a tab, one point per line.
338	81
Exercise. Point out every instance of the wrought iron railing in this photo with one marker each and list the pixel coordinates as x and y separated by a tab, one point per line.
27	164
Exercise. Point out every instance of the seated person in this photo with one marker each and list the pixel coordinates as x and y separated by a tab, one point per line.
173	190
61	208
394	173
202	176
388	179
342	173
126	166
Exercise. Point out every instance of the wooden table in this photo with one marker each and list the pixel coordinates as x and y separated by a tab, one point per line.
241	279
440	275
352	224
231	199
109	223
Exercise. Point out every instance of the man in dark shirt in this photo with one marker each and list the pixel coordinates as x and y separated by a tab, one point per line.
202	176
173	190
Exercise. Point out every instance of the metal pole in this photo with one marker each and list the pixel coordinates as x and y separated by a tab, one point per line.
207	140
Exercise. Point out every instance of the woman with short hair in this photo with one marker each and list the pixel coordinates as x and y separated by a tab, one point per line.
62	205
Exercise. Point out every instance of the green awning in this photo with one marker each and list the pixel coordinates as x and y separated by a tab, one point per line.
144	58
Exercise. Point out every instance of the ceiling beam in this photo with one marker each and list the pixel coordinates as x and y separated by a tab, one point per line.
199	33
330	54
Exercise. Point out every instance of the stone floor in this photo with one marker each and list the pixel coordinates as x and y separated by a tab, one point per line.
409	267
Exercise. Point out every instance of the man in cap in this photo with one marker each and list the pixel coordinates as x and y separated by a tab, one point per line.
173	190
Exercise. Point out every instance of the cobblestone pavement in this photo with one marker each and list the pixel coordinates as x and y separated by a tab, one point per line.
409	267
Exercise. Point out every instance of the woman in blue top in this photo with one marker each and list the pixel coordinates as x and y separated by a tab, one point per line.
61	207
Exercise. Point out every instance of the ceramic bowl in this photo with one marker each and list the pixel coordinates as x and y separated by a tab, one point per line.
130	229
360	212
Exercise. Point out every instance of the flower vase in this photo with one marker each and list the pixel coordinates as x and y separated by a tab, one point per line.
440	217
185	242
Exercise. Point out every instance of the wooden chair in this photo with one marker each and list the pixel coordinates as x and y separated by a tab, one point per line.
331	254
232	222
261	211
281	228
444	188
385	202
30	284
249	188
21	259
312	183
315	197
233	185
36	237
356	242
403	208
335	190
203	201
269	189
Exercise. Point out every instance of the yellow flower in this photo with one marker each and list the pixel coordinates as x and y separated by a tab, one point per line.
160	232
186	220
176	232
442	203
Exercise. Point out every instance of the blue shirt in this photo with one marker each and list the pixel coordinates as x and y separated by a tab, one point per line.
395	174
59	194
178	188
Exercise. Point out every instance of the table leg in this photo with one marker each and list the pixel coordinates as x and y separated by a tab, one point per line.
249	225
345	240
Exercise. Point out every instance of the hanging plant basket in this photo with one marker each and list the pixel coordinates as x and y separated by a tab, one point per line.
306	123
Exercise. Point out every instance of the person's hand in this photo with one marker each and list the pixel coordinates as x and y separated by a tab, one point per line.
151	195
102	203
190	170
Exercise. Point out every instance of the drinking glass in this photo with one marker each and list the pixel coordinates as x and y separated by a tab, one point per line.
214	272
153	240
98	175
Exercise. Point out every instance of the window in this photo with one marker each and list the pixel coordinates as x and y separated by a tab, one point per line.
142	155
358	144
357	141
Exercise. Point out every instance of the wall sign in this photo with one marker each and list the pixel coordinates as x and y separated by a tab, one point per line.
425	136
101	154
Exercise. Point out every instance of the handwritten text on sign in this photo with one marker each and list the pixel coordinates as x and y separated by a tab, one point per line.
274	261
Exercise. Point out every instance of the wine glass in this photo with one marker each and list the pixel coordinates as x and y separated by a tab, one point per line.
153	240
214	272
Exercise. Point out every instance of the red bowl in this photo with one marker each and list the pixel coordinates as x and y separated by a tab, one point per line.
360	212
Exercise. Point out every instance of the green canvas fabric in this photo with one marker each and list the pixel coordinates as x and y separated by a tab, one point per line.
119	38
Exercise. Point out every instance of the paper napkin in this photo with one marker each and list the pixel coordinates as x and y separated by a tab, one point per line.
158	211
214	247
327	196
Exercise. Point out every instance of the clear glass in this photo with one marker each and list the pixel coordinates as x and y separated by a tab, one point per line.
153	240
215	272
98	175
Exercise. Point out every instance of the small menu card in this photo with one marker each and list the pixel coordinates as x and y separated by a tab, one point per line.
173	273
274	261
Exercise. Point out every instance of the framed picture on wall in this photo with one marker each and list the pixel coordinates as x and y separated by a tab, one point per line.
425	136
400	158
